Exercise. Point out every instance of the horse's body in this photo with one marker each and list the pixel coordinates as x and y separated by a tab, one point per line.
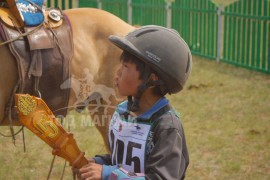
92	51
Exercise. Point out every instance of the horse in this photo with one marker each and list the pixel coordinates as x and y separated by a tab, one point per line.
87	91
93	52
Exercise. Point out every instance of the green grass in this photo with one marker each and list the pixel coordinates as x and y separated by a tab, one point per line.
226	116
35	162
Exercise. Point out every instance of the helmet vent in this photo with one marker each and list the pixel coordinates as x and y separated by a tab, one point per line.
145	32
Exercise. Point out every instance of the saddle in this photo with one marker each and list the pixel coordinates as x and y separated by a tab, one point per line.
11	16
43	54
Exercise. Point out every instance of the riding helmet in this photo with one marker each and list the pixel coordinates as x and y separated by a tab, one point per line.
162	49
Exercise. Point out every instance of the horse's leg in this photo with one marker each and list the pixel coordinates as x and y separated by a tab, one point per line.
8	80
102	118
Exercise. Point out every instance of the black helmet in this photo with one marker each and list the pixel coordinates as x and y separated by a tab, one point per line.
163	50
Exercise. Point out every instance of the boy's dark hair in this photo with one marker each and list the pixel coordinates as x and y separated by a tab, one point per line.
159	90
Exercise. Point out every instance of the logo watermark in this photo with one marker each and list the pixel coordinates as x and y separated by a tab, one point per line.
74	121
94	96
88	93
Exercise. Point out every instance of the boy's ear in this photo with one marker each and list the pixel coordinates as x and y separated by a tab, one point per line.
153	77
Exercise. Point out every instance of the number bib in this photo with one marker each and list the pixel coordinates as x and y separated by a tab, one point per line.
127	142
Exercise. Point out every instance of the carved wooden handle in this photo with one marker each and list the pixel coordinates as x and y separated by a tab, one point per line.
38	118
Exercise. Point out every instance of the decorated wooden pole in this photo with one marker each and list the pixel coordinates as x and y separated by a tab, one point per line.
38	118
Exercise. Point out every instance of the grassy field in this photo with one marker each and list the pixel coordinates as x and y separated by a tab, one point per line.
225	111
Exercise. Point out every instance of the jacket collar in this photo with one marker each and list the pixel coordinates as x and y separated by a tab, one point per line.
162	102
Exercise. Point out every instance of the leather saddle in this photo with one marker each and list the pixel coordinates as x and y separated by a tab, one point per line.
8	19
43	54
11	17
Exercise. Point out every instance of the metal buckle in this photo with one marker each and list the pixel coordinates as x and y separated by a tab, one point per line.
55	15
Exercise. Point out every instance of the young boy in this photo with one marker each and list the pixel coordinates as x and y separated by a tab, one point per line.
146	137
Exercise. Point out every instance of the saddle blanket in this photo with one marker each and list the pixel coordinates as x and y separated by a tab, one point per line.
31	11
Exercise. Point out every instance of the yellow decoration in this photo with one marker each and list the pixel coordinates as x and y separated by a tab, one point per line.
26	105
38	118
47	127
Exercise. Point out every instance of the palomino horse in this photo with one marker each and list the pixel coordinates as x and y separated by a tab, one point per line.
83	89
92	52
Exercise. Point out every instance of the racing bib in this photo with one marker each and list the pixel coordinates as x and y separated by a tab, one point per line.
128	143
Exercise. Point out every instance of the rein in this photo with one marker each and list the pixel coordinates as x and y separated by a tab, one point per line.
22	35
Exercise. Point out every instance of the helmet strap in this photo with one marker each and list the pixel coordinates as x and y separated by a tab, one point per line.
133	102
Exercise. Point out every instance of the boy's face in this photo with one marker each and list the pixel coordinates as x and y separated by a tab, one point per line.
127	79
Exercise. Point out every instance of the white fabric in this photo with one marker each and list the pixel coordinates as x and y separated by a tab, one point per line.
130	140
